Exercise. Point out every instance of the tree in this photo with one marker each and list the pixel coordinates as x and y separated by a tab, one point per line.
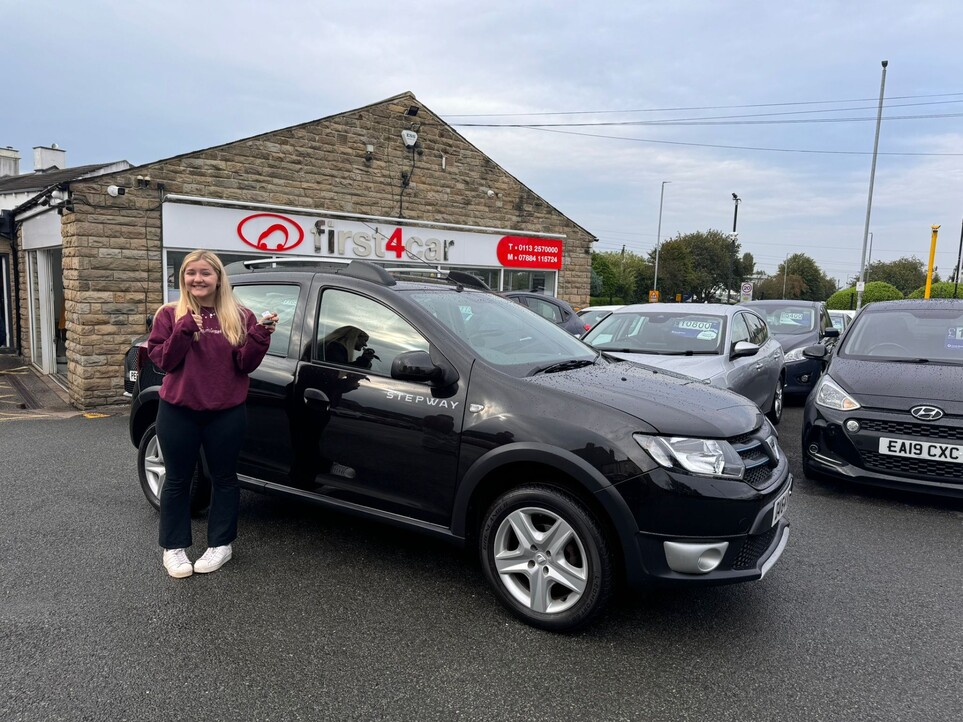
698	263
907	273
619	271
805	280
875	291
943	289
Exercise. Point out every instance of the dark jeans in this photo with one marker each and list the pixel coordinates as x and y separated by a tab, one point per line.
182	432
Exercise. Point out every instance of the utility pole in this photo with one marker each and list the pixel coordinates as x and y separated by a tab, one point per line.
785	275
869	201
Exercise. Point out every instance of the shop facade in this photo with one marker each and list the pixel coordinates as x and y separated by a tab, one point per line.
390	183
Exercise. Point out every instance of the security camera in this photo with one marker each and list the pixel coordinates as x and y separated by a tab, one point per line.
491	193
114	191
409	137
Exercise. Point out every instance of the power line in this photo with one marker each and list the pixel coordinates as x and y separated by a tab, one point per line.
734	147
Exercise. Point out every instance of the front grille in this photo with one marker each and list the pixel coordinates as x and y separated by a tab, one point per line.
753	548
130	364
757	456
904	466
908	428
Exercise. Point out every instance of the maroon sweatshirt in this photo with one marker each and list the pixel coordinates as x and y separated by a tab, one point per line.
209	373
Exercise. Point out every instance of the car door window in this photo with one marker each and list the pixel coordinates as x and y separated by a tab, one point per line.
758	332
281	299
356	331
740	331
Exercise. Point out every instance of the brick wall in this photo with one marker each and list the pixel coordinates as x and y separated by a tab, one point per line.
112	245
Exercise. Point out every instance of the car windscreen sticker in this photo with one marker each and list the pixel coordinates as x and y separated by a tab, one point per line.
706	329
954	338
789	318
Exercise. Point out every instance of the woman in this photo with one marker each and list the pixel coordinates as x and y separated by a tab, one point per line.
207	343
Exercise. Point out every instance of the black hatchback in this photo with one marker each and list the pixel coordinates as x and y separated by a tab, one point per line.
889	408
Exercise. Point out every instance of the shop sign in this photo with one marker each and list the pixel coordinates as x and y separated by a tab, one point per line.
188	226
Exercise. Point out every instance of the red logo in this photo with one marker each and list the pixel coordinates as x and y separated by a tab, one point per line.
270	232
522	252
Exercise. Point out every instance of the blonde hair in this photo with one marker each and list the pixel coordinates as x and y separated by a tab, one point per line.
230	313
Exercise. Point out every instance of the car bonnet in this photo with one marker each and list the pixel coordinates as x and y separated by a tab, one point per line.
670	403
900	386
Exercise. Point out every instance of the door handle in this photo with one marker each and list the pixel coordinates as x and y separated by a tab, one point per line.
316	397
758	367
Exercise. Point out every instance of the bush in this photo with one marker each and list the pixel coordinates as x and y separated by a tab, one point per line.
943	289
875	291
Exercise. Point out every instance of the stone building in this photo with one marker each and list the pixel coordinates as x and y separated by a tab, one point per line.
390	182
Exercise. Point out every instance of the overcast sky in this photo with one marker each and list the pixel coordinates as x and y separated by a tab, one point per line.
792	90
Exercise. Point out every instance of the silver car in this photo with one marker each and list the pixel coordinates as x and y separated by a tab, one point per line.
725	346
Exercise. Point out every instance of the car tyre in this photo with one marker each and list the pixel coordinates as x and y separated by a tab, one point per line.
778	402
547	557
153	472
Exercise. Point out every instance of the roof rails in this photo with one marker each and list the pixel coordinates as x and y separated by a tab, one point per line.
364	270
459	277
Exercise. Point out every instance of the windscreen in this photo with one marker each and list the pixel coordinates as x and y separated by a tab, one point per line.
502	332
932	335
790	320
659	333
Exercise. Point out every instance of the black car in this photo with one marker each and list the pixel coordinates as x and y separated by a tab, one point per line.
889	409
479	423
797	325
554	309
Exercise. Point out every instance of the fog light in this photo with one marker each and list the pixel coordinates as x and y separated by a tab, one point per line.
694	558
852	426
813	448
804	378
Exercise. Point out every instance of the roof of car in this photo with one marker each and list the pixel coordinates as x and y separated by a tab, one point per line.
782	302
916	303
716	309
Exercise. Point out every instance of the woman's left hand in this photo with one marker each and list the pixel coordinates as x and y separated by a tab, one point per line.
269	322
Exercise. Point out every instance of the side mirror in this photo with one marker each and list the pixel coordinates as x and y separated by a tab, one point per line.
418	366
831	332
744	348
817	352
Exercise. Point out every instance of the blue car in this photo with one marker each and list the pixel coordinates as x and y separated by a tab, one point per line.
796	325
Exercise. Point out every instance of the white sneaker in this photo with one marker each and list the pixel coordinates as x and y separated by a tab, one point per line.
213	559
341	470
177	564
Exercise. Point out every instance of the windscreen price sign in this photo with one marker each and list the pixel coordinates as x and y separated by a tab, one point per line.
745	292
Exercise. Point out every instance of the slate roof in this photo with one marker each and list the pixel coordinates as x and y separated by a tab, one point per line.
26	182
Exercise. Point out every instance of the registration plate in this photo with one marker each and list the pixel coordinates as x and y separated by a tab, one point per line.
779	508
952	453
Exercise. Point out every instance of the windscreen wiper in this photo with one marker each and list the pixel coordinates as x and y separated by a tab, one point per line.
690	353
575	363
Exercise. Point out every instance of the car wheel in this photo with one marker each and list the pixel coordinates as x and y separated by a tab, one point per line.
153	473
778	400
546	557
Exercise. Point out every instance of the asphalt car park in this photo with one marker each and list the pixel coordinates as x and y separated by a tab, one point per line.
327	616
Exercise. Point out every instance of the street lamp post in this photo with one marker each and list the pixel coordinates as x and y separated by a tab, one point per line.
785	275
869	258
658	239
735	216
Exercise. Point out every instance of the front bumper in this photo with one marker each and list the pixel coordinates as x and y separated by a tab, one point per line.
801	376
830	449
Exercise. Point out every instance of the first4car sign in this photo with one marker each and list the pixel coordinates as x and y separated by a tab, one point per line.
243	229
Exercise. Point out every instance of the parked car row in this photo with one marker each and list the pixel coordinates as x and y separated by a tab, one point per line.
640	453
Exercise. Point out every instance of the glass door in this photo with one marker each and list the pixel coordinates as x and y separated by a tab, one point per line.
41	313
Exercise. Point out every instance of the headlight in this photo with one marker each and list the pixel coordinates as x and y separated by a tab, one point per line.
831	395
706	457
795	355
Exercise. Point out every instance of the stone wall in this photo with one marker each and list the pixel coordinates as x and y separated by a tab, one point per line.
112	245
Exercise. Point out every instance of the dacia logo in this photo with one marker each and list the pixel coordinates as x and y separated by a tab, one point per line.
927	413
